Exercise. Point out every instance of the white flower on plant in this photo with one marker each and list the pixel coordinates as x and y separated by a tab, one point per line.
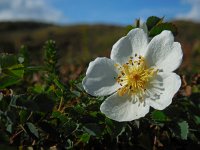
139	74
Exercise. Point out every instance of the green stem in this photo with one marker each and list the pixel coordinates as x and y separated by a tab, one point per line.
32	68
60	104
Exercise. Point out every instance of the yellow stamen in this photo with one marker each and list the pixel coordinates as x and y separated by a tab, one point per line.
134	77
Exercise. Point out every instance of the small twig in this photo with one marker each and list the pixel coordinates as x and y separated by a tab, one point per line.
22	128
29	116
155	138
15	135
33	143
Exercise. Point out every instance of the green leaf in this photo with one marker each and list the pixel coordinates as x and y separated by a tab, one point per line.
33	130
60	116
9	128
184	128
11	76
159	116
180	129
161	27
23	114
8	81
38	88
77	93
78	108
153	21
93	113
16	71
197	120
58	83
85	137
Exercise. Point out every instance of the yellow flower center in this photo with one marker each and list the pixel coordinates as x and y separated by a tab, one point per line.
134	77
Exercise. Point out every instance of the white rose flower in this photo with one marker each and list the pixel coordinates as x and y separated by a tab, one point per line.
139	74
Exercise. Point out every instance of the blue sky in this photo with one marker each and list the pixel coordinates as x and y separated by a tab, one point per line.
97	11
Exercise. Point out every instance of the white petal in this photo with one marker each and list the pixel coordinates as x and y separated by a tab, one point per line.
173	60
99	80
122	108
121	50
164	53
139	41
171	84
136	41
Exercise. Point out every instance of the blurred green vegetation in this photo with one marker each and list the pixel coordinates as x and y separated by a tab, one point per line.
79	44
